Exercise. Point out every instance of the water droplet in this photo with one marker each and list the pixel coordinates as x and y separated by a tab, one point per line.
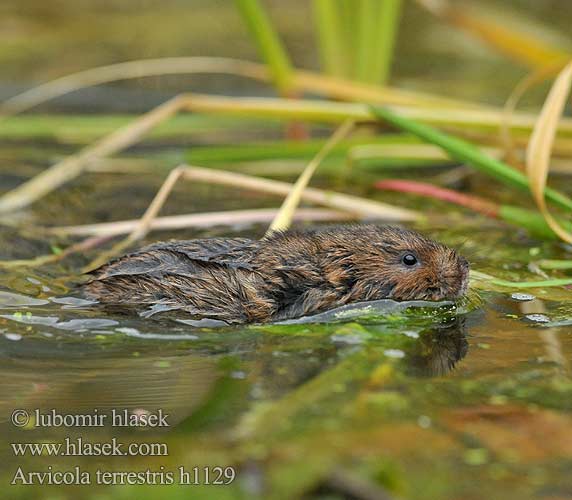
538	318
522	297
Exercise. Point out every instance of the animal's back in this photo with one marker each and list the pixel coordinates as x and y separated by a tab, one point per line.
210	278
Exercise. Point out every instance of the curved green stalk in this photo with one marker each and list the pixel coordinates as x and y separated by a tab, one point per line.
269	44
520	284
555	264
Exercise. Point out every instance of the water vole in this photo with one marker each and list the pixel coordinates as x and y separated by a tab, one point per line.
287	275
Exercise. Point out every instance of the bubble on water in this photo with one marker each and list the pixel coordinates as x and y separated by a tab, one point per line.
394	353
538	318
280	354
128	331
13	336
411	333
350	339
522	297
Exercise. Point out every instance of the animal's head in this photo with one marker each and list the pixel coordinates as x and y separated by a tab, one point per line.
390	262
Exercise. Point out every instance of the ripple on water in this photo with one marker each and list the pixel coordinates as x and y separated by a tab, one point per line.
72	302
10	299
79	324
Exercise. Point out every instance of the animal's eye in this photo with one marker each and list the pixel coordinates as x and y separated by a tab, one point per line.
409	259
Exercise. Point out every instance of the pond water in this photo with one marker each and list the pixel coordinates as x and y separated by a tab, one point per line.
466	401
446	402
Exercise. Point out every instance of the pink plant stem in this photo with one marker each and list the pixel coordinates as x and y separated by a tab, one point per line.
485	207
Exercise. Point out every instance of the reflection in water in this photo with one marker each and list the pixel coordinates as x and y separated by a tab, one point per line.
220	387
440	349
174	384
178	382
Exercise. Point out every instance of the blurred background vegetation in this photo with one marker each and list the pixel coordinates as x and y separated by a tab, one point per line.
40	41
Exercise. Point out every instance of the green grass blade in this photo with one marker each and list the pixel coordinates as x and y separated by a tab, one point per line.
330	37
386	27
530	220
271	150
377	22
555	264
520	284
348	10
367	38
466	152
269	43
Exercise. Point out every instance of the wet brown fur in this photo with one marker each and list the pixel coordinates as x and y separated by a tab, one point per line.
288	275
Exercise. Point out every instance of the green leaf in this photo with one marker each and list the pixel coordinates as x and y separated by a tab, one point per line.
467	153
269	44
